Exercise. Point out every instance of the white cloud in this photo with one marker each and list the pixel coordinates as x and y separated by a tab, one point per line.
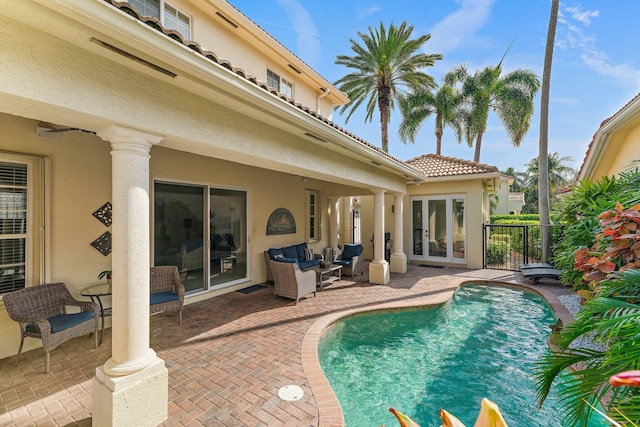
370	11
459	26
308	45
572	35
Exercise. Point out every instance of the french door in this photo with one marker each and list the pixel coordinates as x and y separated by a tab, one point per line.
438	228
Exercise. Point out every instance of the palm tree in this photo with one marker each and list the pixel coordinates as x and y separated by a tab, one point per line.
511	96
519	179
386	65
543	180
417	107
559	173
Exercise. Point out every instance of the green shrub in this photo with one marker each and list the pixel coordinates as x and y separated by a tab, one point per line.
521	217
498	251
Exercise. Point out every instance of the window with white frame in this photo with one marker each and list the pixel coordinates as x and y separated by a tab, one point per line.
21	188
171	18
313	215
281	85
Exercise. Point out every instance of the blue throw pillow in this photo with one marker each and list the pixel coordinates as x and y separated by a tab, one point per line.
301	248
274	252
351	250
290	251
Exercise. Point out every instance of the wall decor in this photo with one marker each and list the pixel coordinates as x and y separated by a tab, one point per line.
281	222
103	243
103	214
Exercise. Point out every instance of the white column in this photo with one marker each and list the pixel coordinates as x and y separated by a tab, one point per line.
398	257
379	267
333	222
131	388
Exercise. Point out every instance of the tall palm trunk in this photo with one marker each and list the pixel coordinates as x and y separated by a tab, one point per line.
543	157
384	94
476	155
439	132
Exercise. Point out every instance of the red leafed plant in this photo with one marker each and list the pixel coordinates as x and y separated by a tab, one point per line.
616	248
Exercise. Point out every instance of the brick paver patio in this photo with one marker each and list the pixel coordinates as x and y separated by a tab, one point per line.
231	355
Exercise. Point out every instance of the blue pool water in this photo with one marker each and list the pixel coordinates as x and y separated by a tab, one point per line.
483	343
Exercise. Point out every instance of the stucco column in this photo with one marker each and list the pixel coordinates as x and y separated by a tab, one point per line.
131	388
379	267
398	257
333	222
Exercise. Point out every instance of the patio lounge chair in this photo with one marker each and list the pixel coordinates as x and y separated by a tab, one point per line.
536	272
41	312
291	282
349	259
167	291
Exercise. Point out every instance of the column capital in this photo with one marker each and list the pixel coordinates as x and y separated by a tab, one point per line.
121	137
399	194
378	191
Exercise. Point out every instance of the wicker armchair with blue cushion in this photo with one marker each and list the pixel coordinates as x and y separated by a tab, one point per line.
291	282
41	312
350	260
167	291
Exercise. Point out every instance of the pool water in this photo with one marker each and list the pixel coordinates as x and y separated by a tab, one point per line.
483	343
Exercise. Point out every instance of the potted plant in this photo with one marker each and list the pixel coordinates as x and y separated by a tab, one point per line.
105	274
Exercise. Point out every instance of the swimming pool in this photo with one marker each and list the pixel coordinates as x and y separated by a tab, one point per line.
483	343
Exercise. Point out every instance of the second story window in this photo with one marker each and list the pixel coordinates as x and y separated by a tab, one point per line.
171	18
281	85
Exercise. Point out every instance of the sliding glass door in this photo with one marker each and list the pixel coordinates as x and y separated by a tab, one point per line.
209	250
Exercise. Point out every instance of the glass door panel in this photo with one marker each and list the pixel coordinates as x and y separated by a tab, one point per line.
228	236
437	228
417	227
178	231
459	235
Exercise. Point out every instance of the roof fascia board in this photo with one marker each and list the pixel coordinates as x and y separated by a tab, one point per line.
603	136
468	177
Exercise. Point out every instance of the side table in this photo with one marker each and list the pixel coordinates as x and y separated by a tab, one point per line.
96	292
326	275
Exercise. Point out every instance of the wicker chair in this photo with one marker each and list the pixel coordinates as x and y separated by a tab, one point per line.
167	291
41	312
291	282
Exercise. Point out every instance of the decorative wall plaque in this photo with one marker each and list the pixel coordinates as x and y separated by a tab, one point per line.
103	214
281	222
103	243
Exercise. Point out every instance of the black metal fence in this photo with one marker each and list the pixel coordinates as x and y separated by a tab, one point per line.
506	246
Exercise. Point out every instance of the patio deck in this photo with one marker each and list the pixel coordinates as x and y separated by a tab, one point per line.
231	355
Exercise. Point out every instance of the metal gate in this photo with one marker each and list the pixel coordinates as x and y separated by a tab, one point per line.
506	246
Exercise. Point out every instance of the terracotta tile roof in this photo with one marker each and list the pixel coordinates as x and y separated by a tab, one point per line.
195	46
435	165
604	122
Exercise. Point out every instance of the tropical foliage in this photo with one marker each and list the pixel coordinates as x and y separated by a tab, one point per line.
510	95
387	65
489	416
560	174
612	320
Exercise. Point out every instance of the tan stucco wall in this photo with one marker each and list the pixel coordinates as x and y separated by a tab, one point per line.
622	149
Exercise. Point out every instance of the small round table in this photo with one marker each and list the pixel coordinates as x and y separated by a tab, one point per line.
96	292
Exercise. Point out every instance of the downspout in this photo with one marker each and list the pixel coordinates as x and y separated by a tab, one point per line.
326	92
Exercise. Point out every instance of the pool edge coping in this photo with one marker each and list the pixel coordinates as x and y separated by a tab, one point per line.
329	410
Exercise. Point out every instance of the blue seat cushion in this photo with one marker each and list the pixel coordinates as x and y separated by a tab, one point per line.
274	252
64	321
291	252
288	260
300	248
308	264
343	262
162	297
351	250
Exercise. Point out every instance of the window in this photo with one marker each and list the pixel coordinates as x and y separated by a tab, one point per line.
171	18
20	208
281	85
313	215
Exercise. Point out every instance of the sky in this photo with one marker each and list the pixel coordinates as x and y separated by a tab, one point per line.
595	70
